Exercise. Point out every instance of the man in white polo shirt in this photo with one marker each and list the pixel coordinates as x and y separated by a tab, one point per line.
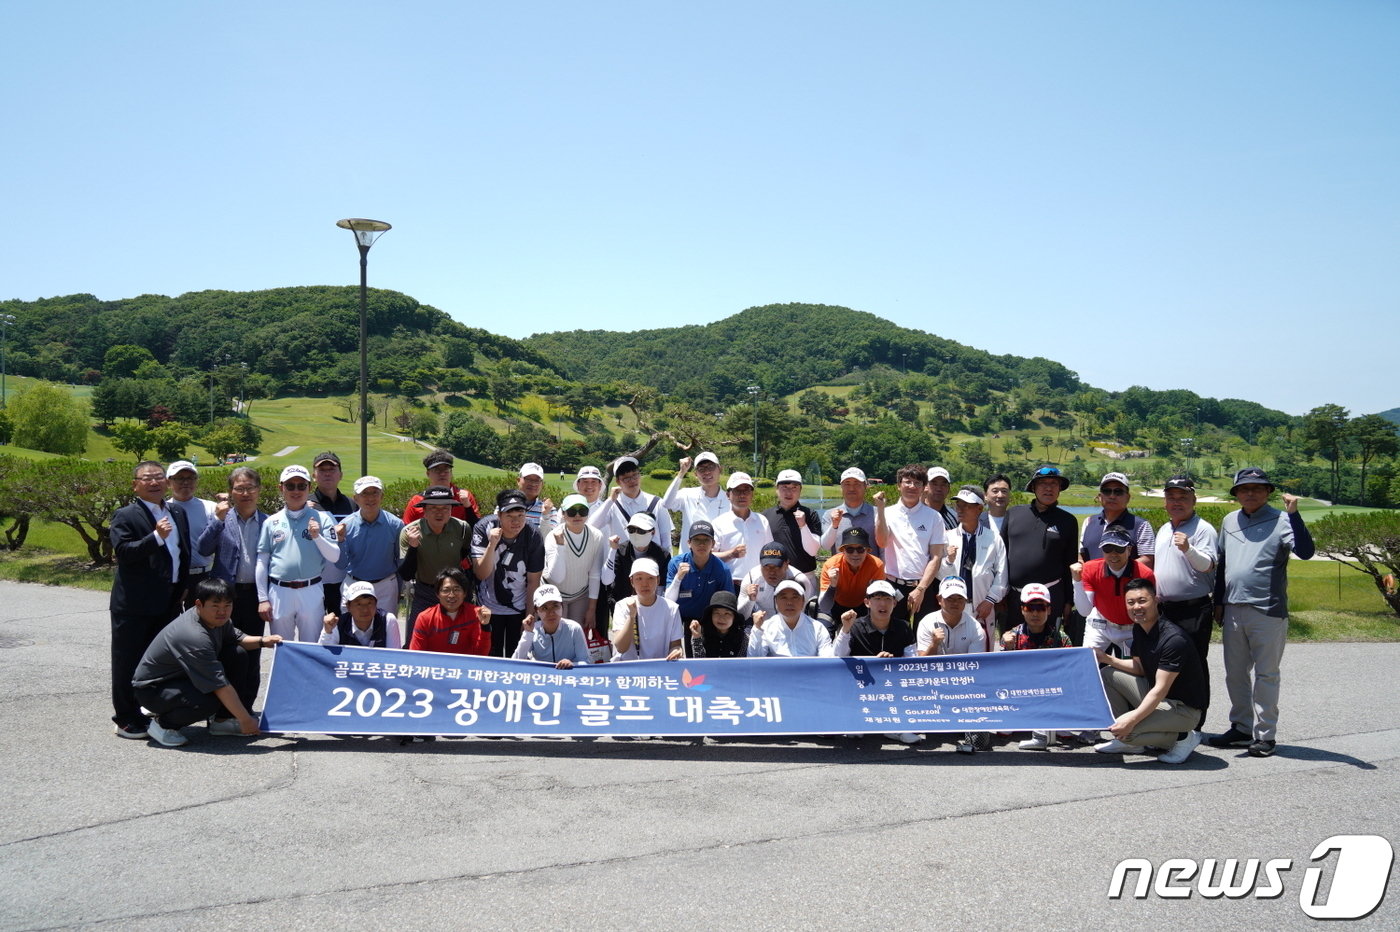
703	503
626	500
911	534
740	532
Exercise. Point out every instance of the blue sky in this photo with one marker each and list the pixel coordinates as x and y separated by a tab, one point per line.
1183	195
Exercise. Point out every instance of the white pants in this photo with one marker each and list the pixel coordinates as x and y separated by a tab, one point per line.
386	593
297	614
1100	632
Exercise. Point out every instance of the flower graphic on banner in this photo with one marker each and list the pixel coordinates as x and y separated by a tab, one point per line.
696	683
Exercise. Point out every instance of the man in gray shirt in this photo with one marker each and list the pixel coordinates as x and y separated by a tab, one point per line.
1251	593
193	670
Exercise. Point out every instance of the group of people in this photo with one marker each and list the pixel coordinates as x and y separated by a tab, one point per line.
203	585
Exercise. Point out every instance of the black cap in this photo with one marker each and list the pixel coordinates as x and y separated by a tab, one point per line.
327	456
438	495
1181	481
855	537
1250	475
438	458
510	500
702	529
773	554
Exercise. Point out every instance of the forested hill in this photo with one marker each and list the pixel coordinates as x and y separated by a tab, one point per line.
303	339
785	348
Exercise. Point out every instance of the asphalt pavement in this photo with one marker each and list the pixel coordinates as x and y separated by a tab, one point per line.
319	832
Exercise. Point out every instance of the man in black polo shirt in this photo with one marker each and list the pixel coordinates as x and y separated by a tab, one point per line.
1041	543
1158	692
794	525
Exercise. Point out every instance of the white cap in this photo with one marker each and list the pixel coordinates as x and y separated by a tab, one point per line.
642	522
706	457
938	472
180	466
789	475
546	594
645	565
792	584
737	479
853	473
368	482
953	585
358	588
882	587
532	469
294	472
588	472
969	495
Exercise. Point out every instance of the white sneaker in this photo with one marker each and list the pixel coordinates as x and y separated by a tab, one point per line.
227	726
1182	749
1038	741
1118	747
170	737
905	737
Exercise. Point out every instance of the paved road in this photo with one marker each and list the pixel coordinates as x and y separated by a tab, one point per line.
319	832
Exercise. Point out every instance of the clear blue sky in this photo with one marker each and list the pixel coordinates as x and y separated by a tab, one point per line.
1215	184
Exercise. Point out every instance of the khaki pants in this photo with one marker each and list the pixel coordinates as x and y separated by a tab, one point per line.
1163	725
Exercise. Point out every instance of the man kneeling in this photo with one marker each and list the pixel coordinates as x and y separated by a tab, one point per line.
188	671
1158	692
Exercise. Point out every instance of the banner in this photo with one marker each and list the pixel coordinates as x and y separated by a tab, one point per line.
363	690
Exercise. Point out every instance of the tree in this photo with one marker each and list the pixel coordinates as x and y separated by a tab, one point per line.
1368	543
131	437
122	361
424	425
7	428
222	440
471	438
1325	430
82	495
1372	436
47	418
170	440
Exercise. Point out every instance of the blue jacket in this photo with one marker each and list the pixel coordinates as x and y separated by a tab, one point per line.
221	540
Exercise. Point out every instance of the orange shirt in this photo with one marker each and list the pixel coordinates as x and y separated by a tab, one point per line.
851	584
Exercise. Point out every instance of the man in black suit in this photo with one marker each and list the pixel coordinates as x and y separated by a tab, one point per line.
152	547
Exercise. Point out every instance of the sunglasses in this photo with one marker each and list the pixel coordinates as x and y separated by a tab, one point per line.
578	511
1114	548
853	549
1047	471
1036	607
296	486
1113	491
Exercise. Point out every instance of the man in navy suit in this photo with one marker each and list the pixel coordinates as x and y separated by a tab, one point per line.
232	540
152	547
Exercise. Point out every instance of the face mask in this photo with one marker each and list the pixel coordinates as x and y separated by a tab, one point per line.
639	541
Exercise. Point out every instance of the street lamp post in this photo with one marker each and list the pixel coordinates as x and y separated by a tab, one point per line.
366	232
5	321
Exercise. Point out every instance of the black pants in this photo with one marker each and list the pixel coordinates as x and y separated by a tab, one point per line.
422	598
131	635
330	598
1196	617
179	702
505	633
246	619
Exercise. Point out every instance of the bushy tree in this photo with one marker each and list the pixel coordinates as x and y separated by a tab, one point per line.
48	418
471	438
170	440
132	437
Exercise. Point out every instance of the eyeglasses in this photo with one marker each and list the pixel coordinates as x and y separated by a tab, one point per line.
1116	490
296	486
1114	548
245	489
578	511
1037	607
853	549
451	590
150	478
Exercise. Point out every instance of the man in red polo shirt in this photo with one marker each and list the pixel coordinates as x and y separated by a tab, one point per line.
1100	592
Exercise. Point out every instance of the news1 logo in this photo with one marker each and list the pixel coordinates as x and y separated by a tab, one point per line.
1359	878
